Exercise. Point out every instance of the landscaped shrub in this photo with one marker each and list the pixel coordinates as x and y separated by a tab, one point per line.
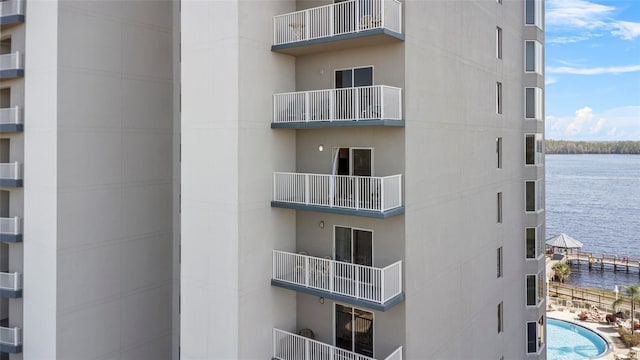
629	339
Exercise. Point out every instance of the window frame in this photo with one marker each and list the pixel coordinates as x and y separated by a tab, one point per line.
373	74
537	57
499	212
373	324
539	334
538	149
499	151
537	15
500	262
499	99
537	103
499	42
537	197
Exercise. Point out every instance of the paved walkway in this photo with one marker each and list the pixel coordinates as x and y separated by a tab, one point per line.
607	331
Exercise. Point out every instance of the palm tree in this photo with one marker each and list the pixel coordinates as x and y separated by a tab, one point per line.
630	293
561	271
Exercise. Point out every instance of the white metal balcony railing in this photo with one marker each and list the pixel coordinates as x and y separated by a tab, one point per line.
351	192
11	61
337	19
357	103
358	281
11	115
11	7
11	171
288	346
10	225
10	281
10	336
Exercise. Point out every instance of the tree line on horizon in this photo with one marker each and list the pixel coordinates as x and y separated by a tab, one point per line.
591	147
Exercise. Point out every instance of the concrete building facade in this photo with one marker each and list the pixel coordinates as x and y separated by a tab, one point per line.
393	209
289	179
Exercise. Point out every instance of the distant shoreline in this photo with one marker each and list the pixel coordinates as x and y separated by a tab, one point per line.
592	147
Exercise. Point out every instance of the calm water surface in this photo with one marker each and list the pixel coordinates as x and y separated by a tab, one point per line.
596	199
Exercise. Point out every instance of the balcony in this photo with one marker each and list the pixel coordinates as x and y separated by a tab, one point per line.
10	229
11	65
378	197
10	285
11	119
343	25
10	340
10	174
11	12
377	105
359	285
288	346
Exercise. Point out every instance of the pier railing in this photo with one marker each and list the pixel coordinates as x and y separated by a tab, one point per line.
582	298
604	259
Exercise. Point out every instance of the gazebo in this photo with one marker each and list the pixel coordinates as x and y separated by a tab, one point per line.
563	241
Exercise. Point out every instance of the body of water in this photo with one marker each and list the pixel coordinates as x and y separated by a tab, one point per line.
596	199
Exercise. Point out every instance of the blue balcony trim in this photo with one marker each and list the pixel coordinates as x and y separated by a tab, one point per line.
11	19
341	211
11	127
10	182
12	349
14	294
11	238
11	73
328	39
341	298
335	123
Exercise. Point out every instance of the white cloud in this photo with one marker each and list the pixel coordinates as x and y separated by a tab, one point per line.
548	80
591	71
626	30
576	13
586	15
585	124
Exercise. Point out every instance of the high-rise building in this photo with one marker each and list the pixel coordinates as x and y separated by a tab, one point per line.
87	179
393	208
289	179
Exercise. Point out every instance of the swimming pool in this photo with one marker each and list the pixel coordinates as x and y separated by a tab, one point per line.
567	341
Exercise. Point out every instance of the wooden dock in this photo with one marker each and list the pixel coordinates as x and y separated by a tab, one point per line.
604	261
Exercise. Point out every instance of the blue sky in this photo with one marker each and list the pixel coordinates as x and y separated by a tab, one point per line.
592	53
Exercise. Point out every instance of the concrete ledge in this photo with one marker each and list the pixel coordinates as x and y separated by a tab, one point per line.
329	124
12	238
11	127
10	182
341	211
12	349
341	298
11	19
11	73
13	294
338	42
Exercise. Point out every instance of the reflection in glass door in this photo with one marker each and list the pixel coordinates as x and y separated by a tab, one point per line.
354	330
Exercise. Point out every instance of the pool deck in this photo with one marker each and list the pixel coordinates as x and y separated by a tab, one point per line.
610	333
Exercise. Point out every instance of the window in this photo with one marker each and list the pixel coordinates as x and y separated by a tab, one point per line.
499	261
354	330
531	290
540	244
530	240
354	77
535	336
498	42
533	56
500	318
499	151
535	289
533	196
533	149
533	103
533	13
353	245
499	208
499	98
352	161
